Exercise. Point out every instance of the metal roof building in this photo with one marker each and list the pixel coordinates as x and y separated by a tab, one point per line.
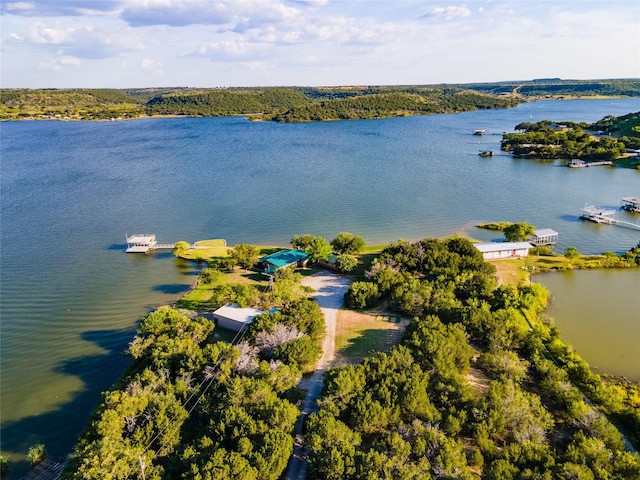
494	250
283	258
234	318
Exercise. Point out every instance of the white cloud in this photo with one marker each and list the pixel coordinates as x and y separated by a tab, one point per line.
57	64
448	12
152	66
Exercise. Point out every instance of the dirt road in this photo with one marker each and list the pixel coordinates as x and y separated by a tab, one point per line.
330	289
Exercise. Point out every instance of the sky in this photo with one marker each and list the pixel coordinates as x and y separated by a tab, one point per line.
229	43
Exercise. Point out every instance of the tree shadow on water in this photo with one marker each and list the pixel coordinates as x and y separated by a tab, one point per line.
59	429
172	288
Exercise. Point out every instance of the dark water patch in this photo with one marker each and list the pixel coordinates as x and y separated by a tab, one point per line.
172	289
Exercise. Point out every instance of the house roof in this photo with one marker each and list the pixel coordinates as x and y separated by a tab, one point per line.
502	246
544	232
233	312
285	257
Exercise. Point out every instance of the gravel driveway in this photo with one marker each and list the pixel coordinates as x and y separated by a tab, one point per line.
329	293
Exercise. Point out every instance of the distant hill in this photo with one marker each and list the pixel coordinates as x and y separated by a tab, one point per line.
293	104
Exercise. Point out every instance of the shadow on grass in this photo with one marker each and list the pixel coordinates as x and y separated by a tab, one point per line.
58	429
369	342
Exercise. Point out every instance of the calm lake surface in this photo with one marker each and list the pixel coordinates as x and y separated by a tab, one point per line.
596	310
71	191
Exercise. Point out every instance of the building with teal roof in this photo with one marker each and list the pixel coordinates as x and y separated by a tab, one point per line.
283	258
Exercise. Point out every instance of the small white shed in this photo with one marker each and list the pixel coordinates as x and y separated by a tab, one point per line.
234	318
495	250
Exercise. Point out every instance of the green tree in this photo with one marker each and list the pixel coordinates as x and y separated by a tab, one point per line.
302	242
518	232
346	263
245	255
571	253
36	454
347	243
361	295
180	248
319	249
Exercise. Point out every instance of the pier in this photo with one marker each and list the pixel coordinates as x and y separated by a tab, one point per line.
577	163
145	242
601	215
631	204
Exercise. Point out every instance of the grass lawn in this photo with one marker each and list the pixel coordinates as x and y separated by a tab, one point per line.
207	249
358	334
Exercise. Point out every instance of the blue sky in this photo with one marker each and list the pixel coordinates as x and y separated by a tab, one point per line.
206	43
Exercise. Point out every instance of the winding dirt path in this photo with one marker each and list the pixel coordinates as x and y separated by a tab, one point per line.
330	289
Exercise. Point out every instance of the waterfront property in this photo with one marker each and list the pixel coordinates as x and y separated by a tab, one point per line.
544	236
632	204
495	250
232	317
283	258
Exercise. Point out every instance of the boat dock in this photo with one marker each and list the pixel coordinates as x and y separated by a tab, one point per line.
577	163
631	204
145	242
601	215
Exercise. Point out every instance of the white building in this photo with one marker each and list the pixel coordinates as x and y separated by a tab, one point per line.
495	250
235	318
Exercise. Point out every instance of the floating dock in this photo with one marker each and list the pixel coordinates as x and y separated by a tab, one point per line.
597	214
601	215
144	242
631	204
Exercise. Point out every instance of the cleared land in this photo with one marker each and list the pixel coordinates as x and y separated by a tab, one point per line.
359	334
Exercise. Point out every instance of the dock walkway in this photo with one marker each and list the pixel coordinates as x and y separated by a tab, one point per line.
604	216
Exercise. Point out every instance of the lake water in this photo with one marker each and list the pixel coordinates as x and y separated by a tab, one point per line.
598	311
71	191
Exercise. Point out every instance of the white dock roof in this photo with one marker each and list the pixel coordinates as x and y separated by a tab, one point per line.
545	232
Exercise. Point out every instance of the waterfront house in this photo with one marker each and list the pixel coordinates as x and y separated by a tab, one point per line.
496	250
232	317
283	258
544	236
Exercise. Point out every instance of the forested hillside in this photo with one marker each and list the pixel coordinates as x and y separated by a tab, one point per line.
292	104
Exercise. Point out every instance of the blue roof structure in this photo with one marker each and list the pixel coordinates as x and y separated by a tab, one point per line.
284	258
